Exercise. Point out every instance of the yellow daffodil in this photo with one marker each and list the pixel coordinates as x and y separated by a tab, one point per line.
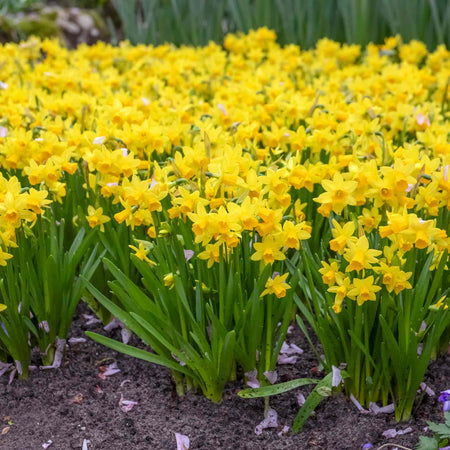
96	218
363	290
359	255
277	286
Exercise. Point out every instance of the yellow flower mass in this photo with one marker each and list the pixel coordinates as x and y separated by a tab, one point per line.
341	146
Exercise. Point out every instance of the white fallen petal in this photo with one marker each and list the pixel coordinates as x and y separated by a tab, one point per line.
283	431
301	399
392	432
271	421
47	444
272	376
294	350
113	324
126	335
425	388
3	132
75	340
188	254
111	369
290	349
337	377
284	347
405	431
282	359
59	352
18	366
3	85
86	442
375	409
124	382
145	101
252	380
357	404
126	405
182	441
90	319
12	375
5	367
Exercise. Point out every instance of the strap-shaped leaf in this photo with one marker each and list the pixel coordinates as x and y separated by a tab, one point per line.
267	391
138	353
314	398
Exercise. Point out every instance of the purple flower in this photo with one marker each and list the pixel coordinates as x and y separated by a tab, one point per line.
445	398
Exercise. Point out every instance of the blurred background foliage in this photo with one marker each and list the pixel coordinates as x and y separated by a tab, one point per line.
302	22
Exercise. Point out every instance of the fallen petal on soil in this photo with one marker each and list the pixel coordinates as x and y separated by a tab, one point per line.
391	433
283	359
375	409
337	377
126	405
109	370
271	421
182	441
272	376
74	340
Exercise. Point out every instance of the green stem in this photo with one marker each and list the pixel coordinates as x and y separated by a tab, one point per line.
268	349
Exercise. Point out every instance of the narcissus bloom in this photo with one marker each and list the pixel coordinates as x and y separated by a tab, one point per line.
341	291
269	250
360	256
330	272
4	256
342	235
394	278
277	286
141	252
363	290
96	218
338	193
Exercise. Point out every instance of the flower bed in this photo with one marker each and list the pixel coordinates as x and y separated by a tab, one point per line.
248	182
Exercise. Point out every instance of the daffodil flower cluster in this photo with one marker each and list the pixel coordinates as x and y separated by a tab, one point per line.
248	153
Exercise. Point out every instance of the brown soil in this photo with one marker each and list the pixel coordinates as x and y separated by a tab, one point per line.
41	409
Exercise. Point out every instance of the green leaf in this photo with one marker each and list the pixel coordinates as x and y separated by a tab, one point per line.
267	391
138	353
427	443
226	358
441	429
312	401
